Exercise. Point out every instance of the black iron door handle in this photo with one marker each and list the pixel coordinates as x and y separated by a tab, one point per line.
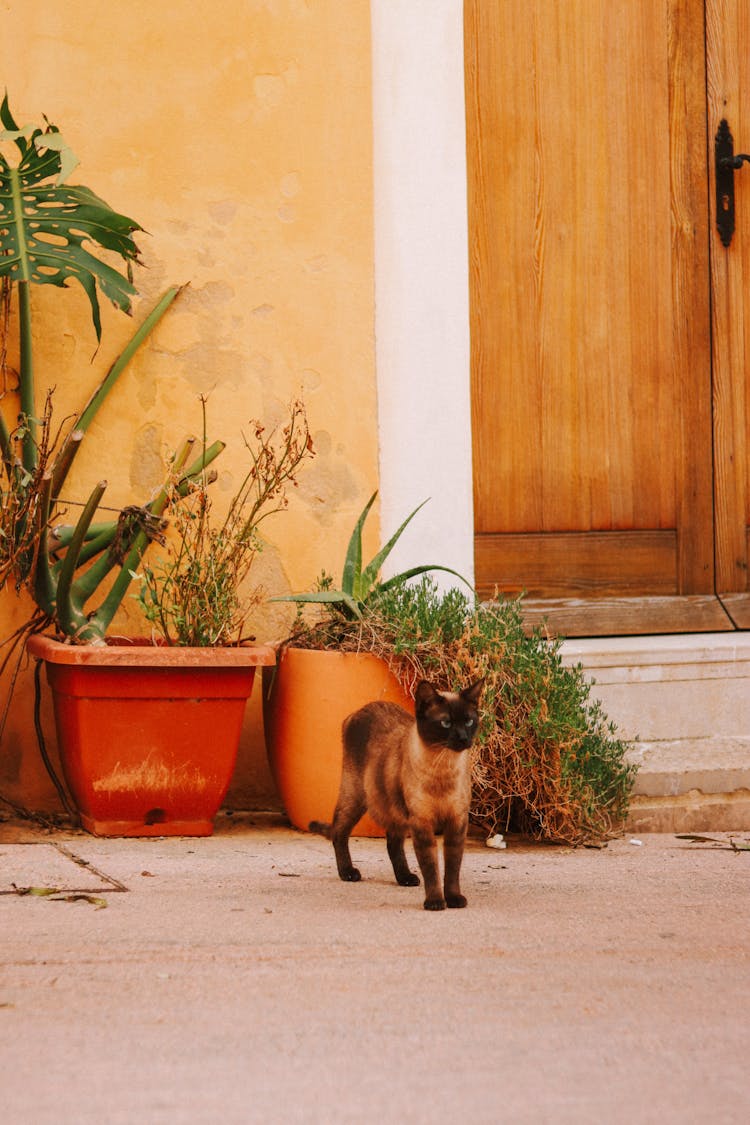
734	161
727	162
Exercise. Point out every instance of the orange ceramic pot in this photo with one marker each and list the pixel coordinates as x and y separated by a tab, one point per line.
306	698
148	735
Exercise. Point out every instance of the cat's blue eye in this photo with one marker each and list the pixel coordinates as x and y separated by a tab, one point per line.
445	723
470	722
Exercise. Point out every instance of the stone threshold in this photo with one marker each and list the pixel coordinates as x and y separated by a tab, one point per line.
644	658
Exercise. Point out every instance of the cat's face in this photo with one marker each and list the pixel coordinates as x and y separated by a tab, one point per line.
447	719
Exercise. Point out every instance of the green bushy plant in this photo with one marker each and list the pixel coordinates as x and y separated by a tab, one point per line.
546	762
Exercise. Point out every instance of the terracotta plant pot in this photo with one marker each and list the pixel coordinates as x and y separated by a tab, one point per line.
306	698
148	735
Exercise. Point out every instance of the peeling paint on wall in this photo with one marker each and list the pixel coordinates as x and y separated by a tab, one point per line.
147	459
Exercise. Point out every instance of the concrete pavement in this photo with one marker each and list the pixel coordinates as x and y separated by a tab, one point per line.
236	980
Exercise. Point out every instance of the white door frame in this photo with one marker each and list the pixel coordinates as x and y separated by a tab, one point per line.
421	280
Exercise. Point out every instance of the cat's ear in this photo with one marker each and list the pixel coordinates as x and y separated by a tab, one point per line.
425	694
473	692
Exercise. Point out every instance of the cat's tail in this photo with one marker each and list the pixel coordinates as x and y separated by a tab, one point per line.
321	828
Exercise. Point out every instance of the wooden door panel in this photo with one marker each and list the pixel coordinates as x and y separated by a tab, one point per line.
607	617
580	564
590	304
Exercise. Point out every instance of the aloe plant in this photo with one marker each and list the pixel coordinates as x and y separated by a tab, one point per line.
50	234
360	584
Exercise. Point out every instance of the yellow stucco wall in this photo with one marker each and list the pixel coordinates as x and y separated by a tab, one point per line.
239	135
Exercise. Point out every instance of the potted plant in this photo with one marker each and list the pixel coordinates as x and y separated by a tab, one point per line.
149	730
321	677
545	762
124	776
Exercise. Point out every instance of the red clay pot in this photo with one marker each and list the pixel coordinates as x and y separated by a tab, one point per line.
306	698
148	735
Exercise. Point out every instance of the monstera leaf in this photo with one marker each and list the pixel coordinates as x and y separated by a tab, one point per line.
45	224
52	233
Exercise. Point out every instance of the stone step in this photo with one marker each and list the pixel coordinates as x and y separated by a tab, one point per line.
684	705
713	765
691	785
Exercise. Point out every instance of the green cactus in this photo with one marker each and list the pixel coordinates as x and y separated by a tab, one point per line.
359	585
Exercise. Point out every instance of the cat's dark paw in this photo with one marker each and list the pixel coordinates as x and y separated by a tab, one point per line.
351	876
434	904
409	880
455	902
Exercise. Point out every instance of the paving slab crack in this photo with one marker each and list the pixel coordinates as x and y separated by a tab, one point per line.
37	864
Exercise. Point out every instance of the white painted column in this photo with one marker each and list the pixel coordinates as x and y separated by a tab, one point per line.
421	280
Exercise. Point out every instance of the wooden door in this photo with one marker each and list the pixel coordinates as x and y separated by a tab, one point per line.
728	86
589	188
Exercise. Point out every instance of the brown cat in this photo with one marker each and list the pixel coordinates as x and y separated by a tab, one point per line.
413	775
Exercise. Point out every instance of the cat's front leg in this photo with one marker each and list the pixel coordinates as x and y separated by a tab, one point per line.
454	838
425	847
